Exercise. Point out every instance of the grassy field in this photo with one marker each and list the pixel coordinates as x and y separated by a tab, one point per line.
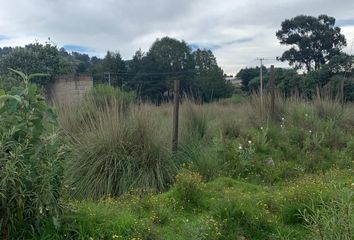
223	208
238	174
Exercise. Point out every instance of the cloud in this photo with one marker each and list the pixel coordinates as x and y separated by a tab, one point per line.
237	31
214	46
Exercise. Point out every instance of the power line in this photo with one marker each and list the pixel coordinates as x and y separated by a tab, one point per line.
150	73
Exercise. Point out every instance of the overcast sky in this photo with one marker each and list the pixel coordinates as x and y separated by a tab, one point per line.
237	31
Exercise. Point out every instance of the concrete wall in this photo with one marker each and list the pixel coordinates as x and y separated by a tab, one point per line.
69	88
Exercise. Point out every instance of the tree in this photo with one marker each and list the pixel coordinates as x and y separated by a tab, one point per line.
112	67
82	62
314	41
35	58
209	82
247	74
152	74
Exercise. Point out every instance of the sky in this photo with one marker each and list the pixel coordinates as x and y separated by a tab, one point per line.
237	31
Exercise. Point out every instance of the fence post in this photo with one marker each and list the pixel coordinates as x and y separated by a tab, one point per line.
175	115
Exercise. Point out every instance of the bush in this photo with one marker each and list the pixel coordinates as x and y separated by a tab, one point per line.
242	221
31	156
8	81
188	190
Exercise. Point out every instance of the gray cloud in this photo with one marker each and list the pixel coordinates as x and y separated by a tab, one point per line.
237	31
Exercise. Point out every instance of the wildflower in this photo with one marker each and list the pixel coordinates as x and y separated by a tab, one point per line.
282	119
306	115
240	146
261	128
281	125
310	131
249	142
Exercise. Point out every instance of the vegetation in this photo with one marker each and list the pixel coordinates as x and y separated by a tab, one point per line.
225	209
31	159
115	150
239	175
149	75
241	171
316	40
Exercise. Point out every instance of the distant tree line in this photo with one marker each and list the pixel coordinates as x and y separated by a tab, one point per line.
316	57
150	74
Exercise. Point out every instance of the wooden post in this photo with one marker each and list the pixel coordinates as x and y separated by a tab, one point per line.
272	92
342	91
175	116
261	82
318	93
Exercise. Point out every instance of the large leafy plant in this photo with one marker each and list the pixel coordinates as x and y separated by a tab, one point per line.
31	155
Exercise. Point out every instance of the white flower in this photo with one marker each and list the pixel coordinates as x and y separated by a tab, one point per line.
261	128
249	142
310	131
240	146
281	125
282	119
306	115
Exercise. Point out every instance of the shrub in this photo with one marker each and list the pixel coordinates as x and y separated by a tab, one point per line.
242	221
31	156
188	190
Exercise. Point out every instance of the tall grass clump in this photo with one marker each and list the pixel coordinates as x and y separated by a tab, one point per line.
195	122
100	98
103	95
201	158
115	151
334	220
31	163
258	109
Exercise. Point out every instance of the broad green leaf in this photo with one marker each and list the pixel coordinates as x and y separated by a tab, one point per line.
3	98
24	76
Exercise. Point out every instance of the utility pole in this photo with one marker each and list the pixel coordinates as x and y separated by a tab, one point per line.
175	115
108	74
272	92
261	79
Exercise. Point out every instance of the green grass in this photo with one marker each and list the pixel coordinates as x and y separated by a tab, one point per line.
238	173
231	209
